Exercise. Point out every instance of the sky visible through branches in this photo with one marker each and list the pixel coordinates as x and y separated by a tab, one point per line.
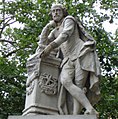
109	27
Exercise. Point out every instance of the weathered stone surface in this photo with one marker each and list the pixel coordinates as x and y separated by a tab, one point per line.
41	89
80	69
54	117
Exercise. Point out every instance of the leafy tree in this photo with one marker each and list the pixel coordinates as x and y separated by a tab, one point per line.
17	43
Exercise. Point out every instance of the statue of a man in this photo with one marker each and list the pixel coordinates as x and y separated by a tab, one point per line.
80	66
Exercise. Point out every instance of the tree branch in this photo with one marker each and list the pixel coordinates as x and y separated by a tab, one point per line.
3	40
14	51
11	17
6	24
12	22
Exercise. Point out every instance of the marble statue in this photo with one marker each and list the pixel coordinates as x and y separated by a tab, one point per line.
63	74
80	68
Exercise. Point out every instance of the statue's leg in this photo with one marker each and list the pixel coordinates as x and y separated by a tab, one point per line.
77	107
67	76
79	81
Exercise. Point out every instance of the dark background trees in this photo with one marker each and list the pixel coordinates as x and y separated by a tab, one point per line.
21	21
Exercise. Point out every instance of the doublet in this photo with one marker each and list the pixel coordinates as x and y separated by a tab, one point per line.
68	39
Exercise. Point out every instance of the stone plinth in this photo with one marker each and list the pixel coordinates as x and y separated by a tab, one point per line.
41	89
54	117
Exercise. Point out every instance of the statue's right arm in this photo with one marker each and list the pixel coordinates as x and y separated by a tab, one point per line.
44	34
46	31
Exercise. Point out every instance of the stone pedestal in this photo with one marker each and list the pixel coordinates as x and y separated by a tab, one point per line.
41	91
55	117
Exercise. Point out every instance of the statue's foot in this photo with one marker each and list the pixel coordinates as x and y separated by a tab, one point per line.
92	112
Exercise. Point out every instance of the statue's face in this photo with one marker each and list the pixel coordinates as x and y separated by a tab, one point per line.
57	13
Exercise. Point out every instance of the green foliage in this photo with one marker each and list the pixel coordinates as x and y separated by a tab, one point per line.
16	44
12	87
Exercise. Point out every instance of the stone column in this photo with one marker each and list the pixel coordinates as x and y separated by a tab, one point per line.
41	86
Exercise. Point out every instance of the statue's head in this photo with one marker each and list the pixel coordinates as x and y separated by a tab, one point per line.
58	12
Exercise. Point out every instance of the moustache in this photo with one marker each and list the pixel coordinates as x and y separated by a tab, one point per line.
56	15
